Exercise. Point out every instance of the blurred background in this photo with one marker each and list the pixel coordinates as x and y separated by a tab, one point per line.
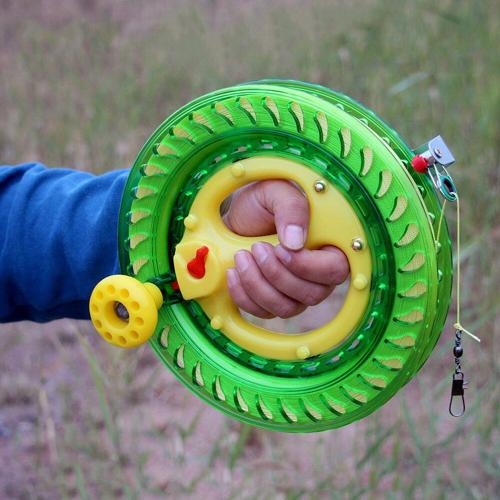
84	82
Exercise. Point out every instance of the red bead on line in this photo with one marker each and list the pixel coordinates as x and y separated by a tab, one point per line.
420	164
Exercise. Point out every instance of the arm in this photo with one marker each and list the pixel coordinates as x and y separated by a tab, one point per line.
58	238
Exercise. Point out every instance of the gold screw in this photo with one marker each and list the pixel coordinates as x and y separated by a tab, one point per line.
319	186
357	244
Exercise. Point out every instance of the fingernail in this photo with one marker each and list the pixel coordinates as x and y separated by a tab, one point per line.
294	237
232	277
261	252
283	254
242	261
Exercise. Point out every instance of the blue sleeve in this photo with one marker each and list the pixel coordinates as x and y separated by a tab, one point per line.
58	238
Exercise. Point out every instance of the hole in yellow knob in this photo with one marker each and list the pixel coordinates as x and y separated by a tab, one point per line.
125	311
121	311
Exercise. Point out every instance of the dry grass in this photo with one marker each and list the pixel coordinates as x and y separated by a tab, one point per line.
83	83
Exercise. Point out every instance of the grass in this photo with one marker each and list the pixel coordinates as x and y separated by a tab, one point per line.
84	84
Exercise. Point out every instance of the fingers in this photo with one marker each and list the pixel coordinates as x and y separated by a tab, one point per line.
275	282
291	212
247	214
241	298
304	292
328	265
270	206
252	289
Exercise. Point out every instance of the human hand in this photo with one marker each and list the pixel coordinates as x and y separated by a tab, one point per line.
286	279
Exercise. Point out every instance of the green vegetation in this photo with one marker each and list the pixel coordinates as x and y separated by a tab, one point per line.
84	85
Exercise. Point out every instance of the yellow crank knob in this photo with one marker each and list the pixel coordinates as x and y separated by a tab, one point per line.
125	311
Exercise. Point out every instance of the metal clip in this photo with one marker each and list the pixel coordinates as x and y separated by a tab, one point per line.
457	399
438	156
443	181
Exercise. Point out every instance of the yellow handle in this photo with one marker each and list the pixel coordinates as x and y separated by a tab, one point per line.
332	222
125	311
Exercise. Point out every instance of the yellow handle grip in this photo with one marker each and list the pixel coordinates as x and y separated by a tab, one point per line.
333	222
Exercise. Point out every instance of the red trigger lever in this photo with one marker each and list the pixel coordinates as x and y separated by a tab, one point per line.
196	266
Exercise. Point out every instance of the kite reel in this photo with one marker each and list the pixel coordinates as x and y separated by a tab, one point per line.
370	195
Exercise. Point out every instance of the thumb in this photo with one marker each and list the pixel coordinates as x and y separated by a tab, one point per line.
291	212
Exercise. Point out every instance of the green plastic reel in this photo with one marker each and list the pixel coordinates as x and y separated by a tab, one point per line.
354	151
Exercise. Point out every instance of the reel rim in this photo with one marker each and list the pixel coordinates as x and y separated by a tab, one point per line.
313	423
